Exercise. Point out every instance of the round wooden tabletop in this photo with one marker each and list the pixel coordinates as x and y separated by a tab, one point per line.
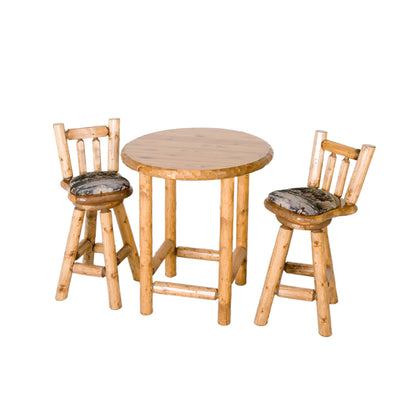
197	154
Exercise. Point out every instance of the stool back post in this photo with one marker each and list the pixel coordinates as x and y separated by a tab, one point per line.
63	151
113	144
359	174
317	159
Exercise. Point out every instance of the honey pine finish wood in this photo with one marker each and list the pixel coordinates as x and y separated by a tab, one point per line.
292	217
195	154
101	191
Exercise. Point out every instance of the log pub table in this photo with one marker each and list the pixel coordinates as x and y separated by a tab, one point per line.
195	154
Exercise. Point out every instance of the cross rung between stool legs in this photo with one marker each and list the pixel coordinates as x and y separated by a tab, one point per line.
189	291
293	292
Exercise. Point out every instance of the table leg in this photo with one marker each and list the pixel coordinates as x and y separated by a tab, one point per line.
226	251
146	245
170	225
242	225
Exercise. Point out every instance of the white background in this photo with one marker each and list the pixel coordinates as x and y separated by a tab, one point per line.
275	69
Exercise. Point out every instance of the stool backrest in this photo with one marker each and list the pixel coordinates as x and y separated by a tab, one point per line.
95	133
362	157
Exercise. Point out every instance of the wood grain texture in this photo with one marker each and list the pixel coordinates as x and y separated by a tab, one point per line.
170	225
63	150
70	254
189	291
146	245
341	149
321	283
274	275
317	159
242	225
127	236
226	251
198	253
87	132
197	154
89	234
110	259
359	174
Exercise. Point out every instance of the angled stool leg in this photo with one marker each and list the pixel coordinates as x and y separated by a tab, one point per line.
70	254
127	237
333	297
321	283
110	259
274	274
90	231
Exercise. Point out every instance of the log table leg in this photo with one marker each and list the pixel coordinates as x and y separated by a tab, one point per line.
146	245
226	251
170	225
242	225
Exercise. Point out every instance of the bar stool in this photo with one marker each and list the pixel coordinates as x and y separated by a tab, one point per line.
312	209
90	192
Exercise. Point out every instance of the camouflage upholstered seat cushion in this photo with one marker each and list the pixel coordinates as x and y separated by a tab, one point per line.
305	201
98	183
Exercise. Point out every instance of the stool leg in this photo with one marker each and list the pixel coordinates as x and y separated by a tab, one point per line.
226	251
274	274
170	225
70	254
127	237
321	283
333	297
110	259
90	231
146	245
242	225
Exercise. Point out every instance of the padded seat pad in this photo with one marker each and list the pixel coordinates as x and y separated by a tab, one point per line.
305	201
98	183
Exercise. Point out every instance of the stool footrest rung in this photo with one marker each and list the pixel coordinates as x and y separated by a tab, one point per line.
98	248
299	268
123	253
189	291
293	292
88	269
83	246
198	253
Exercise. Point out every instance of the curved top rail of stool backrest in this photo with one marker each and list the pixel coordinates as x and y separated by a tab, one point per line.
362	157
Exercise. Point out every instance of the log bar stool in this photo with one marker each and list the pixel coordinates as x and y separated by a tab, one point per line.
91	192
312	209
195	154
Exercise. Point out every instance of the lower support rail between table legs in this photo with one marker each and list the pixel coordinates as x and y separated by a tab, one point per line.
198	253
188	291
